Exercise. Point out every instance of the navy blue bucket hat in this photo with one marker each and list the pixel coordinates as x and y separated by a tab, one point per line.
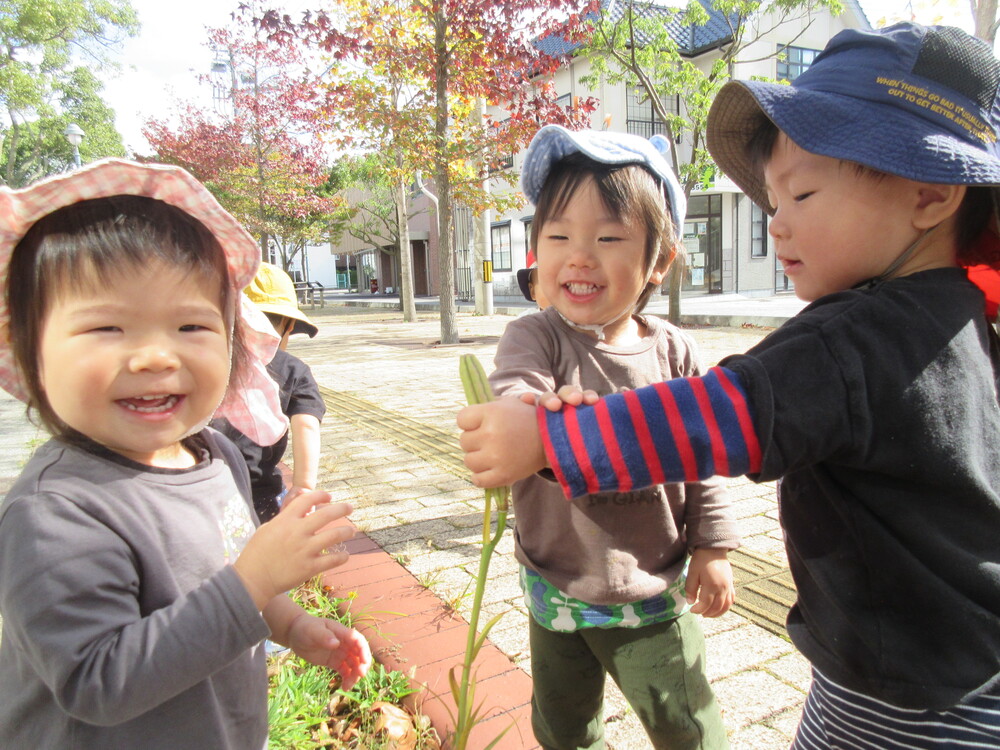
918	102
554	142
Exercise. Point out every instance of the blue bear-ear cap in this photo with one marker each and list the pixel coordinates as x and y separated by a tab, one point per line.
554	142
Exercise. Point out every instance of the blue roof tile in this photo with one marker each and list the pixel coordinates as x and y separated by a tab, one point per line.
691	40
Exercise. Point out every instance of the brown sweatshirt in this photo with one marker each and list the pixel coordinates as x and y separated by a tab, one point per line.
609	547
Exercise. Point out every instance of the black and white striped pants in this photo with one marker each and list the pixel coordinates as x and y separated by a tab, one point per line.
835	718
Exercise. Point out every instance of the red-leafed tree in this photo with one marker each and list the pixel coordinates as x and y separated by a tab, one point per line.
438	62
258	151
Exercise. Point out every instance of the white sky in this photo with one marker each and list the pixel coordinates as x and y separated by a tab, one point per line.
162	64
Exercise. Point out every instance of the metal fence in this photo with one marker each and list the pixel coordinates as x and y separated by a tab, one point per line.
463	284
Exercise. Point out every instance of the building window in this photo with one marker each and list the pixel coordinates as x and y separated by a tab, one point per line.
793	61
500	235
527	236
758	232
640	119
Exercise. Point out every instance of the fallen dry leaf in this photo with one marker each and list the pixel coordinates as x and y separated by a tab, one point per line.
396	725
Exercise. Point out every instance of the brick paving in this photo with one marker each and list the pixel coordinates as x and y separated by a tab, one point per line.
425	515
429	519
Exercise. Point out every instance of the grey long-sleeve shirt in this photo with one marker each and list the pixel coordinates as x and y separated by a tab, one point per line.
123	624
606	548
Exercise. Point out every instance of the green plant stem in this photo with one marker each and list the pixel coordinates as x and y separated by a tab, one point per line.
477	391
472	648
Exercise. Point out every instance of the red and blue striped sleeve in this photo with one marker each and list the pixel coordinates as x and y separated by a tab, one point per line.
681	430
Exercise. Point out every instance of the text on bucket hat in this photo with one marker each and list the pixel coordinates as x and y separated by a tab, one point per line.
253	407
554	142
914	101
273	291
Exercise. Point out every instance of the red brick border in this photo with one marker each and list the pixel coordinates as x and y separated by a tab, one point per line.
411	630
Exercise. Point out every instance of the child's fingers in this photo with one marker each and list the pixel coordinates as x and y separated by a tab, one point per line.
329	540
550	401
324	515
570	394
713	603
487	478
303	503
704	603
691	586
470	417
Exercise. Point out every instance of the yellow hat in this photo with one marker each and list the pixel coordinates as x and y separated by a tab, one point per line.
273	291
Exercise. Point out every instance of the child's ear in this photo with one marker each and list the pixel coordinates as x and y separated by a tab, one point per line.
663	262
935	203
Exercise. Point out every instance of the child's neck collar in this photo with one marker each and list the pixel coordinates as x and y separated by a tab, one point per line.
598	329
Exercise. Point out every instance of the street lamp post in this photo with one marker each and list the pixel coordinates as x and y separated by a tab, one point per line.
74	134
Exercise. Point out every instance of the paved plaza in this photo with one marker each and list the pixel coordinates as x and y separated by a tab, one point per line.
390	448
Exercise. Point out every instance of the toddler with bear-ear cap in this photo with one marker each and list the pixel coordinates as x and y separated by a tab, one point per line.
613	582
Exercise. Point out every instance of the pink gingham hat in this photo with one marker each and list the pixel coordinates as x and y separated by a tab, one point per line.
253	406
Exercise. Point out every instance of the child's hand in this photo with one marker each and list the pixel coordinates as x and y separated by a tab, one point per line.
710	582
567	394
294	546
293	492
327	643
501	441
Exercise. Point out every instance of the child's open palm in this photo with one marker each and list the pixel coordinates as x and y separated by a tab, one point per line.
294	546
327	643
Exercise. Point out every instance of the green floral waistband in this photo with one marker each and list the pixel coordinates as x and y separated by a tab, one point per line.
556	610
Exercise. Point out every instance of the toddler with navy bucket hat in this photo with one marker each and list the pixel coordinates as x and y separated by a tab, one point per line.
612	580
877	405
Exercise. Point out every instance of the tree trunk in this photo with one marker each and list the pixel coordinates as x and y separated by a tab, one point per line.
407	304
984	15
675	279
446	253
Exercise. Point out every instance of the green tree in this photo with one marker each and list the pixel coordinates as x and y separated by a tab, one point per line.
370	194
645	47
50	51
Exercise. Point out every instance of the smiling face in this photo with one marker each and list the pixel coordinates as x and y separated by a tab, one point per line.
137	360
834	227
592	264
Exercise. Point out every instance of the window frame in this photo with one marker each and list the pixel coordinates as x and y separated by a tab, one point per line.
639	117
796	59
758	231
500	229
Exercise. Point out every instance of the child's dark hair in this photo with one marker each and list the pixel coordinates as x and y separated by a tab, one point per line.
629	192
973	218
278	322
84	242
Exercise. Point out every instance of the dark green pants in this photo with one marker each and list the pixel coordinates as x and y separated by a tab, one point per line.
659	668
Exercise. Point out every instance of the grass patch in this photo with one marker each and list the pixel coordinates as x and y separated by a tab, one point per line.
307	709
